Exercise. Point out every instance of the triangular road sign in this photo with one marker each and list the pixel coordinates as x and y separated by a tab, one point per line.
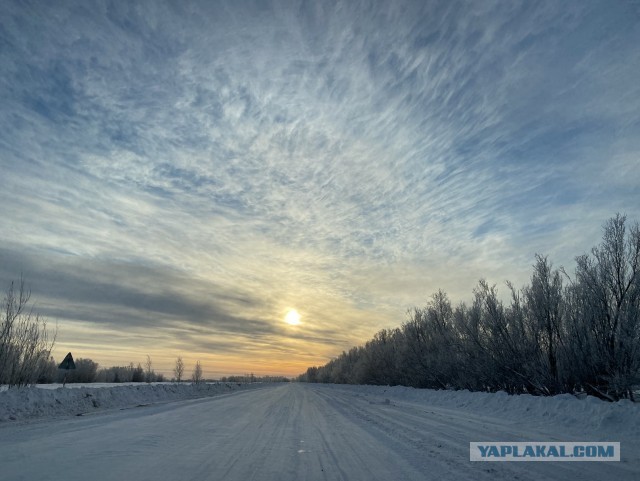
67	363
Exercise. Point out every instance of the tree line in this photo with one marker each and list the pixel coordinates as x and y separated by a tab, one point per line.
560	333
251	378
26	343
88	371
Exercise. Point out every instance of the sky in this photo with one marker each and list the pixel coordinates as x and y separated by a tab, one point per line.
176	176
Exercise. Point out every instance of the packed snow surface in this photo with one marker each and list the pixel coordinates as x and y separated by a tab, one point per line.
299	431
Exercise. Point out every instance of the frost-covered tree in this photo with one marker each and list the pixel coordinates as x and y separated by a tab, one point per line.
604	313
196	377
544	307
178	370
148	369
548	338
137	373
25	341
86	371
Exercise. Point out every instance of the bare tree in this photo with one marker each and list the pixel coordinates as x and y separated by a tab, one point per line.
544	308
48	371
197	373
25	341
178	370
148	366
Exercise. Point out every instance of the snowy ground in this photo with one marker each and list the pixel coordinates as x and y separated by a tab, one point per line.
299	431
52	400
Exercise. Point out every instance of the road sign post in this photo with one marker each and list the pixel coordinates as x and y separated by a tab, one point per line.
67	364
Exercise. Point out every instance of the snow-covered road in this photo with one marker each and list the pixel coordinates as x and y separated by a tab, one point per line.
289	432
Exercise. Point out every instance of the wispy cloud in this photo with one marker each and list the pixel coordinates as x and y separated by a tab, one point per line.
203	167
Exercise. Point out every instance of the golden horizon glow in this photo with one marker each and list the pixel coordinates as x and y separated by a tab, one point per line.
292	318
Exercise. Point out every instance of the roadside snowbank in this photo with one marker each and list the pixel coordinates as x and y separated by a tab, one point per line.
563	411
36	402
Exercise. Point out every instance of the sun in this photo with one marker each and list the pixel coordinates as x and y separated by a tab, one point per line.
292	318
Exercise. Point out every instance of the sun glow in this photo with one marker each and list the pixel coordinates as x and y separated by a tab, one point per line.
292	318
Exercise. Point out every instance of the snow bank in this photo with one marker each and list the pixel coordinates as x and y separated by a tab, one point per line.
563	411
35	402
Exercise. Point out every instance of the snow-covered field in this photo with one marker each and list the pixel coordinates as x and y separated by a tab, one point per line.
303	431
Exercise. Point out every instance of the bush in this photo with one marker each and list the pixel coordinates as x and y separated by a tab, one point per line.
86	371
